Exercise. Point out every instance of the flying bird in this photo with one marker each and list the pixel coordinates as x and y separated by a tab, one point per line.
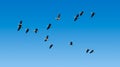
71	43
76	17
19	26
58	17
91	51
46	39
36	30
27	30
87	50
49	26
92	14
81	13
50	46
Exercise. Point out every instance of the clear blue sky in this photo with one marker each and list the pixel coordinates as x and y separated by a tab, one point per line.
101	33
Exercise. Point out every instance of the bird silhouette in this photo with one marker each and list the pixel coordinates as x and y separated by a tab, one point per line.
19	26
48	27
71	43
50	46
58	17
36	30
76	17
92	14
87	50
46	39
91	51
81	13
27	30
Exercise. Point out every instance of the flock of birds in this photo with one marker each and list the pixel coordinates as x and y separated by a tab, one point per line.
49	26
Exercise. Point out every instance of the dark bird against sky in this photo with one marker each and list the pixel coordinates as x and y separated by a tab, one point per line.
49	26
92	14
87	50
71	43
50	46
81	13
76	17
58	17
91	51
36	30
19	26
46	39
27	30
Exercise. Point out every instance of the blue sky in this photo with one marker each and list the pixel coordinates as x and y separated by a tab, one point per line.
101	33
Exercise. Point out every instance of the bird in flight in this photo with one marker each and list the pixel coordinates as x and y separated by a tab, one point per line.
50	46
46	39
48	27
27	30
87	50
58	17
71	43
91	51
19	26
81	13
92	14
36	30
76	17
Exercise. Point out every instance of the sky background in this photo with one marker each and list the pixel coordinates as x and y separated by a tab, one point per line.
101	33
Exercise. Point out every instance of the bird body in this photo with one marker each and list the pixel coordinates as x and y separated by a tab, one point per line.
91	51
87	50
46	39
48	27
19	26
50	46
92	14
36	30
76	17
27	30
81	13
58	17
71	43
